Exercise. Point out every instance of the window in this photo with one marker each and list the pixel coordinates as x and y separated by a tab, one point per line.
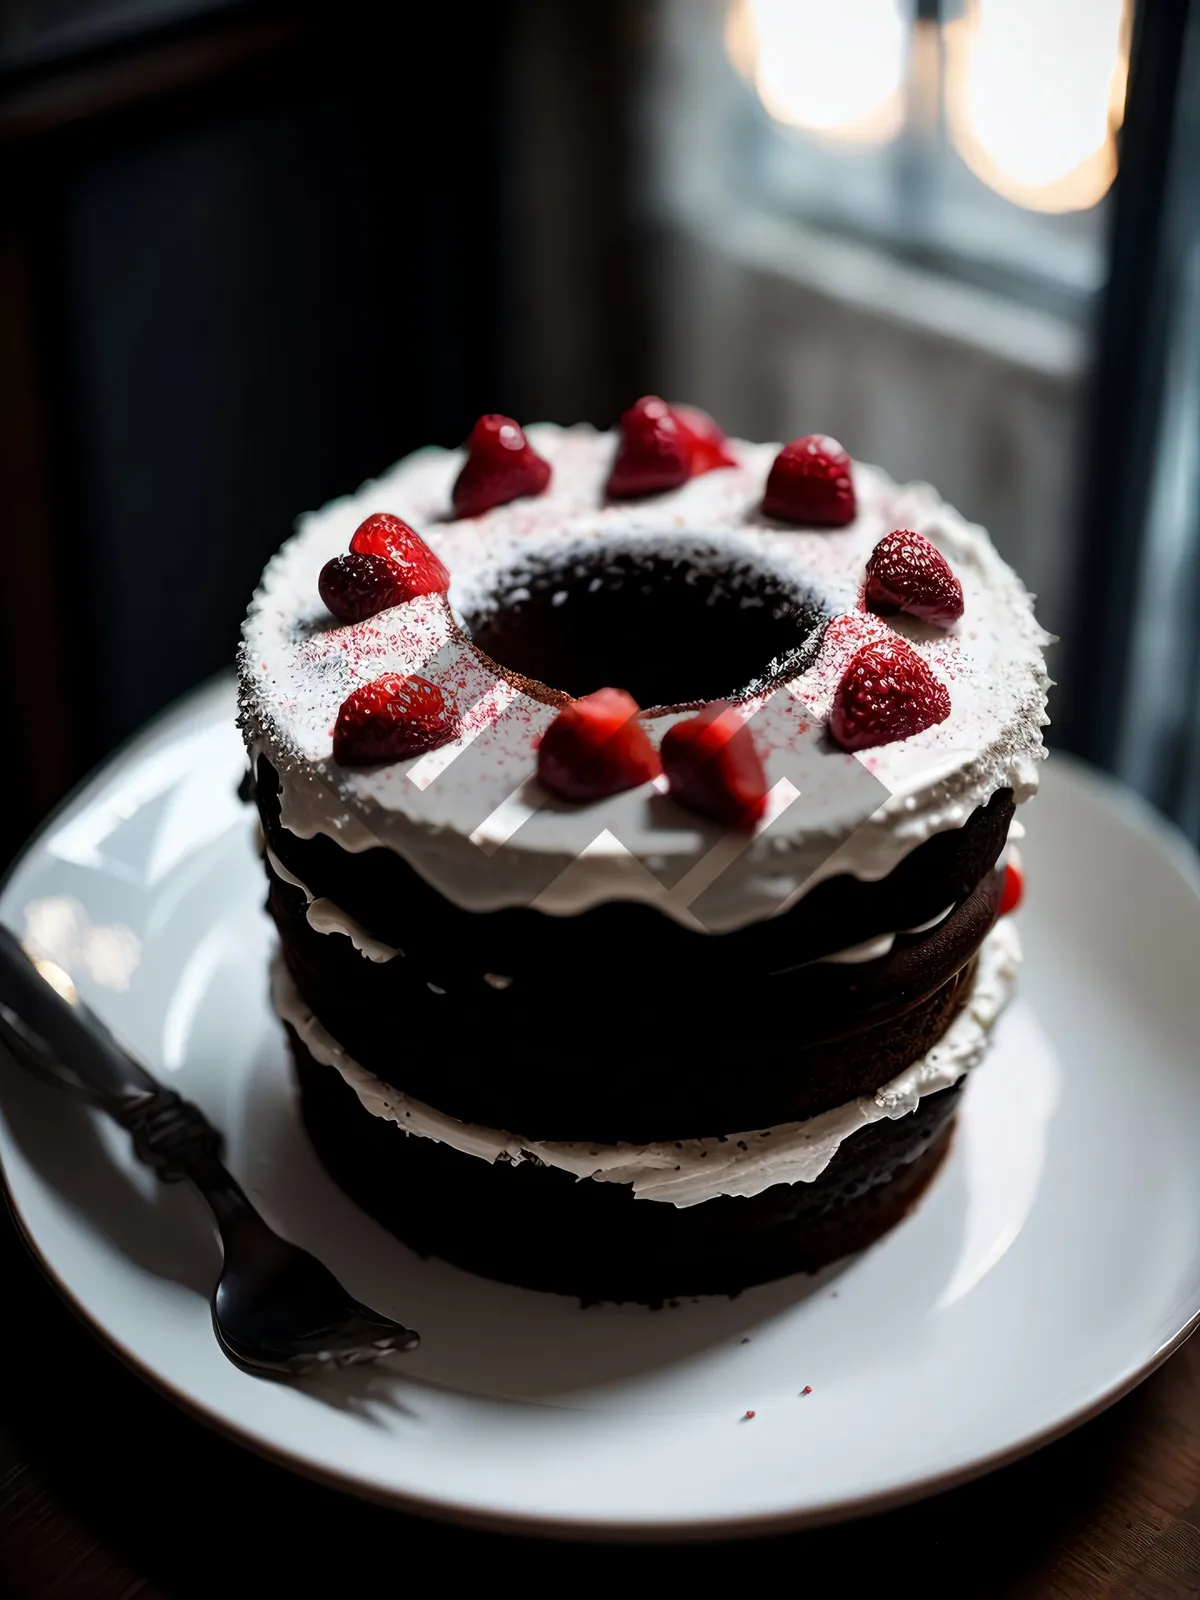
977	138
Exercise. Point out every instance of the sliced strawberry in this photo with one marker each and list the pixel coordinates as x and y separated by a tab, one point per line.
417	569
358	586
653	452
501	465
810	482
907	573
391	718
886	693
1013	891
596	746
713	768
707	444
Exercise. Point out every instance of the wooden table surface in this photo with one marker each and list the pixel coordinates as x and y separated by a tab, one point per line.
107	1490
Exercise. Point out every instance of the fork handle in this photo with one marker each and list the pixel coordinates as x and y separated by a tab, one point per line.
67	1043
173	1136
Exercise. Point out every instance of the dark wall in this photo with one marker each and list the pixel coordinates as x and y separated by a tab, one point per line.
201	420
247	262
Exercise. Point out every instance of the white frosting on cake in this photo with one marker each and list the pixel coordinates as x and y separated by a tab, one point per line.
325	917
485	835
875	949
690	1171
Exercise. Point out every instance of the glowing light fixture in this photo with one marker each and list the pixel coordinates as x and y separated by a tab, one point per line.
834	70
1035	91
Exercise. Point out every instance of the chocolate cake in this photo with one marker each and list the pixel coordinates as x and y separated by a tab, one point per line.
638	812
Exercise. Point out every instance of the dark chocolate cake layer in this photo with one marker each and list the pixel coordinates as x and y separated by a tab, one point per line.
554	1063
541	1228
619	1024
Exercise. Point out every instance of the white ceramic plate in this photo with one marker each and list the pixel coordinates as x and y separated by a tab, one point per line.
1054	1263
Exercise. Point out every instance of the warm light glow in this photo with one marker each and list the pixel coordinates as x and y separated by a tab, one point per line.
740	44
835	70
111	955
1035	91
56	978
59	932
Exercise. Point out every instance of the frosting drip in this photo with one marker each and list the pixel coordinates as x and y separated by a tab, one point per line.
693	1170
326	917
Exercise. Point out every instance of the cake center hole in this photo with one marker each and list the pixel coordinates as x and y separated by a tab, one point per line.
670	627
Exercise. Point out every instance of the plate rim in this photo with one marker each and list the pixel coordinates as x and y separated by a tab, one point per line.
577	1529
1130	808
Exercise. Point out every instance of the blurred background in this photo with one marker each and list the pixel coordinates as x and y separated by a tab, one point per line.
250	254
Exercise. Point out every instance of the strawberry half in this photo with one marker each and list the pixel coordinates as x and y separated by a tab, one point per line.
707	444
810	482
662	446
358	586
886	693
713	768
391	718
653	453
596	746
501	465
417	570
907	573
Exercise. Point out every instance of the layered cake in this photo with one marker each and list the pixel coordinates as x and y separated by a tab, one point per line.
638	813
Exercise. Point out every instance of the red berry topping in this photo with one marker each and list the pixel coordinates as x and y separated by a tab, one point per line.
391	718
810	482
501	465
357	586
416	568
707	444
596	746
1013	891
907	573
653	453
662	446
713	768
886	693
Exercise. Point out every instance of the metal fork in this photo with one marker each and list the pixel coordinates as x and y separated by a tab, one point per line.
276	1311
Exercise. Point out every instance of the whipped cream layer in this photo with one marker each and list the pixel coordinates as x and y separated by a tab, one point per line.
690	1171
471	818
